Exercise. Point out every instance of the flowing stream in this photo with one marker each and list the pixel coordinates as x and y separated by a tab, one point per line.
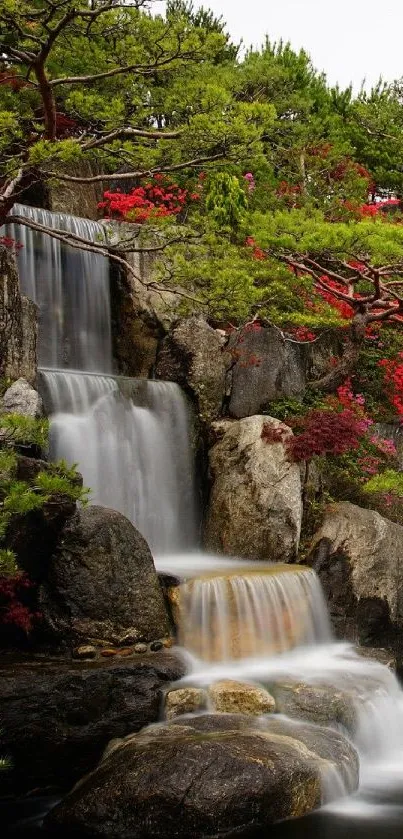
132	440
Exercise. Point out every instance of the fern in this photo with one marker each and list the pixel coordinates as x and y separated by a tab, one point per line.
17	429
8	563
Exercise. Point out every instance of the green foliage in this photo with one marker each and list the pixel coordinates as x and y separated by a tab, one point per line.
16	429
8	563
226	201
389	481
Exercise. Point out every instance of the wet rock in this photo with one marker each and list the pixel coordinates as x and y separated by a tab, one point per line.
385	657
255	506
356	554
230	697
185	701
21	398
85	652
320	704
192	355
155	646
214	775
58	716
102	582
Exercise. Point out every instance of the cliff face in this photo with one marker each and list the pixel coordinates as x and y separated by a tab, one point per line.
18	325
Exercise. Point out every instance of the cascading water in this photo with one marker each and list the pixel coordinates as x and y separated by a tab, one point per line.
132	442
71	289
130	439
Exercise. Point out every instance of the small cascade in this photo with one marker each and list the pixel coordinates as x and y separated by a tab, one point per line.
71	289
249	613
131	440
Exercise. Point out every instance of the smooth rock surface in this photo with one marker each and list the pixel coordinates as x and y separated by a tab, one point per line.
211	776
357	556
192	355
58	716
320	703
185	701
255	505
21	398
231	697
102	583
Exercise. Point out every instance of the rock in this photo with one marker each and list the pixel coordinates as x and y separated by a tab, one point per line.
230	697
58	716
85	652
140	648
205	777
192	355
155	646
102	582
108	652
356	554
267	365
18	325
320	703
22	399
385	657
185	701
255	506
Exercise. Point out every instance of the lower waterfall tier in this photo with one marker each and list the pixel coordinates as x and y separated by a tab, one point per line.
131	441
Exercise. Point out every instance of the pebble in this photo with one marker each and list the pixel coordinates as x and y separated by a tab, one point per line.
155	646
108	653
86	651
140	648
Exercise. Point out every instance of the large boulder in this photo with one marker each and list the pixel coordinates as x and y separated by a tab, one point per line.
255	506
267	365
357	555
57	716
206	777
18	324
102	583
21	398
192	354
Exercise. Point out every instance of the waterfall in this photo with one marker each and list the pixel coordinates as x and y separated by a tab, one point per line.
131	440
71	289
250	613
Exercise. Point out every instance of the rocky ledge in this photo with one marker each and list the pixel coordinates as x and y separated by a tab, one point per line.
206	776
58	716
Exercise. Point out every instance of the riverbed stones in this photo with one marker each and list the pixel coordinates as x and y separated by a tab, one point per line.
186	700
232	697
102	583
212	775
255	506
357	556
58	716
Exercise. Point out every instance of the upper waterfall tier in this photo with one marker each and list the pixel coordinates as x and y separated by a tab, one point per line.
71	289
132	441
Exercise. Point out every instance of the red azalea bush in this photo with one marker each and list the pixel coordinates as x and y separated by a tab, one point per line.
15	611
157	199
393	381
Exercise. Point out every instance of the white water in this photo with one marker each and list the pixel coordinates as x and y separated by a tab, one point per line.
71	288
130	439
133	446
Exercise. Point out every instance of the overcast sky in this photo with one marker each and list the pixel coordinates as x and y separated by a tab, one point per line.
349	39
